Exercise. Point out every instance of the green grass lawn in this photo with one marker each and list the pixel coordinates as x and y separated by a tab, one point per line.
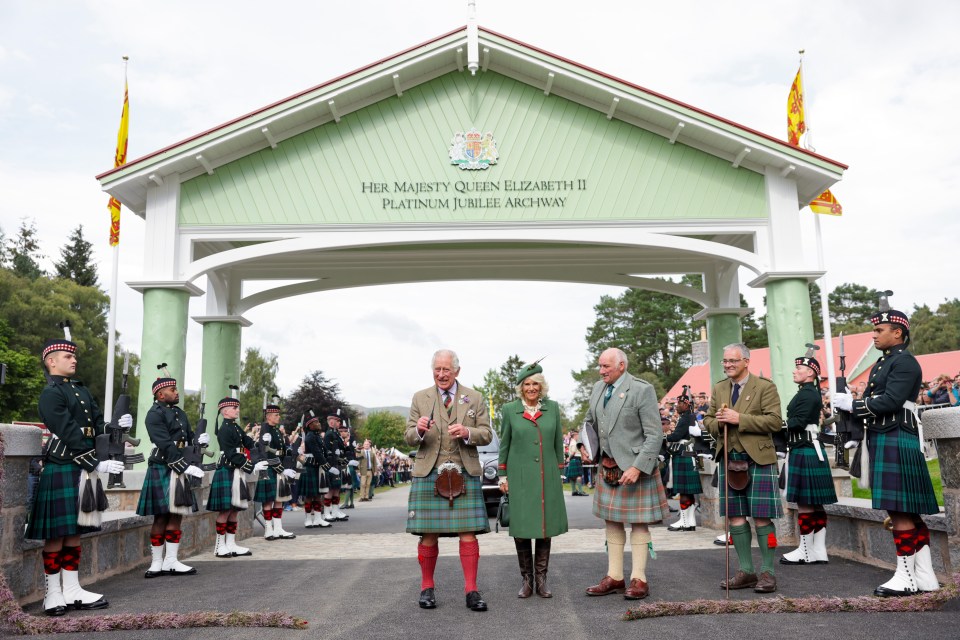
932	465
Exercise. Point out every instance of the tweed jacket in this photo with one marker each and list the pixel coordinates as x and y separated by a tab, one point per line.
628	428
760	417
469	409
362	457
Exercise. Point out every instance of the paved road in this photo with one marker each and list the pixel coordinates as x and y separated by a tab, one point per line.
360	579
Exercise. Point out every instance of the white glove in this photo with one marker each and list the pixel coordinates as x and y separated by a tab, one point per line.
661	458
353	463
695	431
851	444
266	438
290	473
203	438
260	466
194	471
110	466
125	421
843	401
337	452
781	455
335	471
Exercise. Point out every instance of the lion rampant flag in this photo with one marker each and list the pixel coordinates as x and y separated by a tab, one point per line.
119	158
796	126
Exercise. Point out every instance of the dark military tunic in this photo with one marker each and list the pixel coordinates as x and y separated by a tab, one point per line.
74	420
334	447
313	480
686	477
899	478
169	431
809	480
266	490
233	459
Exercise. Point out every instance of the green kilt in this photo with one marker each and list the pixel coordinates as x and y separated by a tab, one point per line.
266	490
686	476
55	507
760	498
809	480
155	494
333	481
221	489
642	502
899	478
429	513
574	468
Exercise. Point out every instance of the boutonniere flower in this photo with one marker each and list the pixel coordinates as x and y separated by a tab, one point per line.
622	395
471	414
464	399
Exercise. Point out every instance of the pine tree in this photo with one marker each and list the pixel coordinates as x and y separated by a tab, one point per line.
24	251
76	261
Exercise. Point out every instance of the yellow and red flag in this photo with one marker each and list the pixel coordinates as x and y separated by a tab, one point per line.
826	203
119	159
796	125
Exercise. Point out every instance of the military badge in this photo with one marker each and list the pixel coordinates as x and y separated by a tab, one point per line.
471	413
473	150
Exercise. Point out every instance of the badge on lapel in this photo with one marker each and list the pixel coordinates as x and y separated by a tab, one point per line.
464	399
471	413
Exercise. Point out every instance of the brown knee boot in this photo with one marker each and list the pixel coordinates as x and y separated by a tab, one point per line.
525	556
541	562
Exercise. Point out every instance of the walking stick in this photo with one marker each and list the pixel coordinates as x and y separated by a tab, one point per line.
726	504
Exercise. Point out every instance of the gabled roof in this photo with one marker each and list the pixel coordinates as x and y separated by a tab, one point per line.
332	100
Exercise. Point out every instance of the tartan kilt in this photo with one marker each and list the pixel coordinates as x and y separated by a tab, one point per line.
312	482
333	482
645	501
899	478
266	490
574	468
760	498
809	480
155	494
686	476
221	490
55	507
346	478
429	513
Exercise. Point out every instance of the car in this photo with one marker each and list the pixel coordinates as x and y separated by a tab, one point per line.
489	459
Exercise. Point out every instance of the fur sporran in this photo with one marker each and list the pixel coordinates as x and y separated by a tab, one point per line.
610	472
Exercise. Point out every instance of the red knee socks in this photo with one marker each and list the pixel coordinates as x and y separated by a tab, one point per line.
51	562
221	528
469	559
806	522
70	558
231	527
268	514
906	542
172	536
156	539
277	513
427	556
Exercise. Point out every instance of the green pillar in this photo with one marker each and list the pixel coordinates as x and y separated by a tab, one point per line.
789	329
164	340
221	365
722	329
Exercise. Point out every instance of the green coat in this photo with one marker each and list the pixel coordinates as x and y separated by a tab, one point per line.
531	456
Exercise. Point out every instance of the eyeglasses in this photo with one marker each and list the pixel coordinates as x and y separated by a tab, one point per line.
731	361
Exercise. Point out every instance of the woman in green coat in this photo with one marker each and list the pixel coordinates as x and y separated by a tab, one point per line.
531	457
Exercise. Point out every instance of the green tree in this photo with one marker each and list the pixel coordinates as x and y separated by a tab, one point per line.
498	384
753	330
258	375
384	429
851	306
23	384
316	392
4	255
76	260
24	251
935	332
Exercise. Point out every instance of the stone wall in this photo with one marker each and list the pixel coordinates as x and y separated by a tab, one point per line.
122	544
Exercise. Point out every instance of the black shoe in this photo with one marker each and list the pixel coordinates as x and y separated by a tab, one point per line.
427	600
475	602
79	606
154	574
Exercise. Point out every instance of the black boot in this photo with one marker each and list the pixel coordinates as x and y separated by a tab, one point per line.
541	562
525	556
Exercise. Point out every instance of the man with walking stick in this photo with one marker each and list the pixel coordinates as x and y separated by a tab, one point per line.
745	413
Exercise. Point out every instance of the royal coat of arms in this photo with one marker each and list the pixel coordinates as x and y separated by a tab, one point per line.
473	150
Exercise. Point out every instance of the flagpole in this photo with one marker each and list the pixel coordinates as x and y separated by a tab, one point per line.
112	317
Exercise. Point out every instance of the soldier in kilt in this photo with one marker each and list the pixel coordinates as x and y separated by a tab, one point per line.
447	422
336	472
313	480
56	516
809	479
574	470
166	494
228	491
898	475
623	411
272	481
348	463
686	476
747	407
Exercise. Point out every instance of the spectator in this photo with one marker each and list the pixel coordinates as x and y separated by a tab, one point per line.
939	391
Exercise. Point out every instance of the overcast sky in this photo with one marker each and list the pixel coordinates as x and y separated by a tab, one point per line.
882	81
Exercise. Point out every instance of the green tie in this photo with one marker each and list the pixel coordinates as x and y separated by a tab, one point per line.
607	394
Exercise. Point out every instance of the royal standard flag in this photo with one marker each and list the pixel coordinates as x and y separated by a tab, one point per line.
826	203
119	159
796	125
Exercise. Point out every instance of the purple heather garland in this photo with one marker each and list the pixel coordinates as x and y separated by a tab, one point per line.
13	619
